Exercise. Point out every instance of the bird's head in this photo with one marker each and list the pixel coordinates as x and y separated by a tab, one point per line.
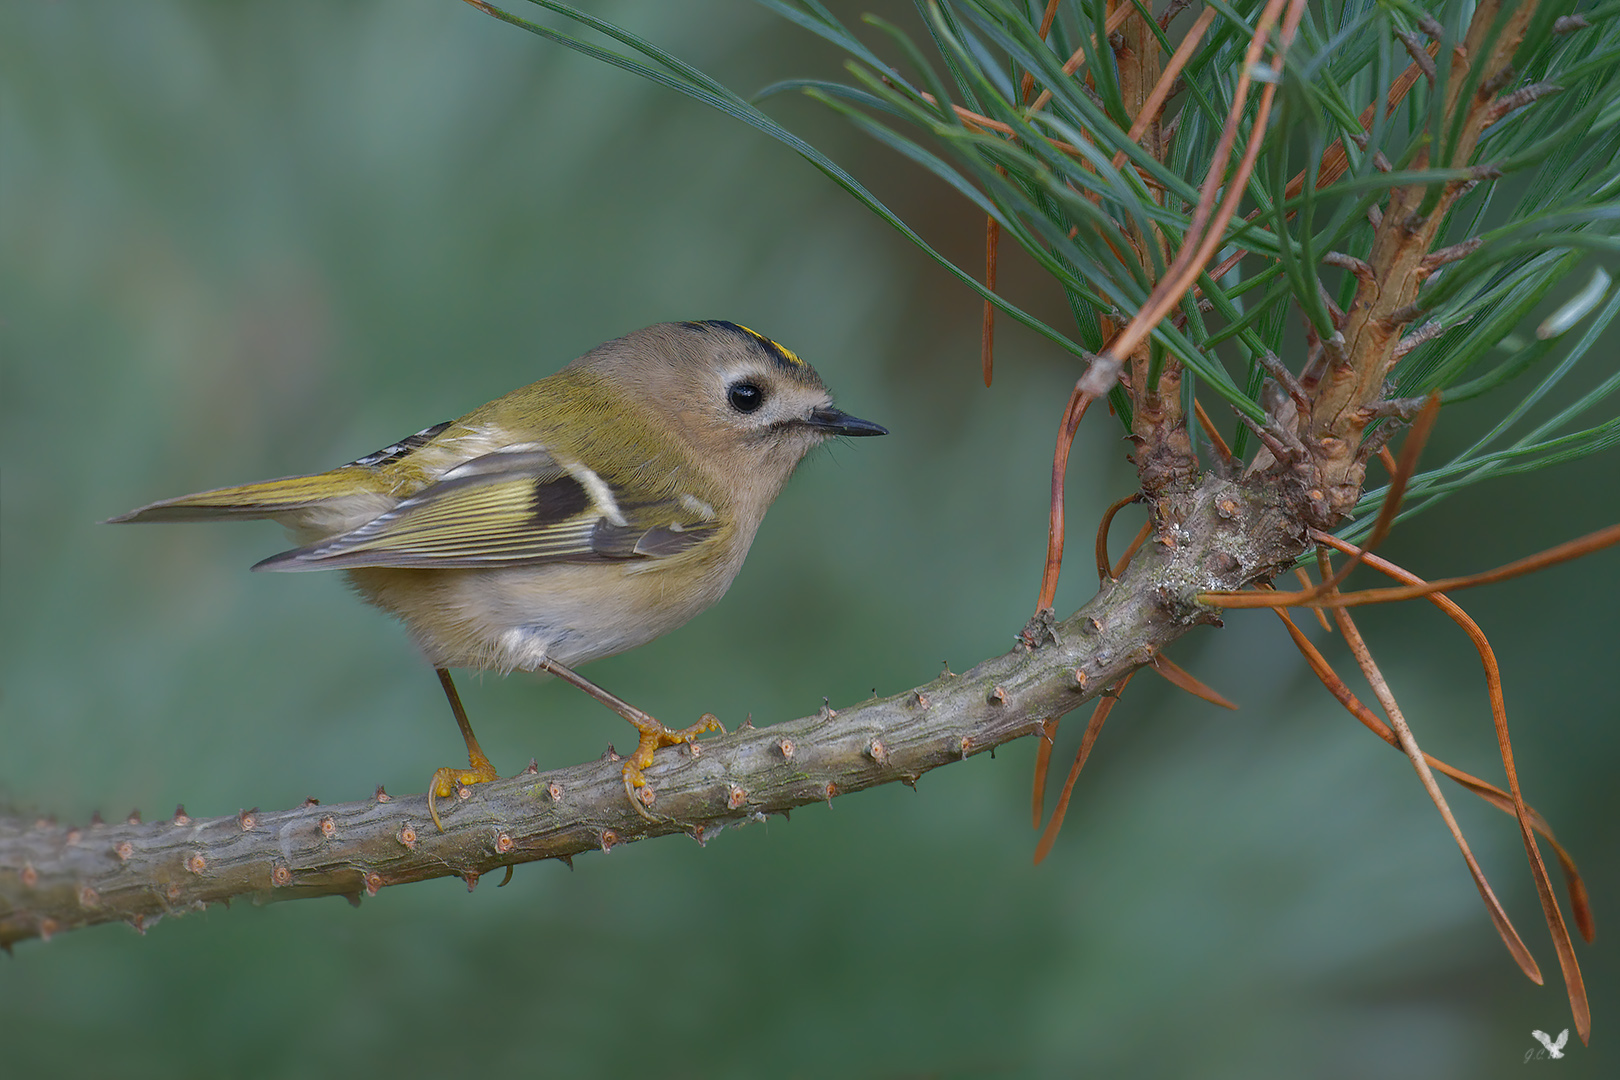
748	408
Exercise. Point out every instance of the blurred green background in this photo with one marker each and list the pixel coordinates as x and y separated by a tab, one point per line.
241	241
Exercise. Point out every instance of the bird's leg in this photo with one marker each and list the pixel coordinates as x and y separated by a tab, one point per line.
653	733
478	770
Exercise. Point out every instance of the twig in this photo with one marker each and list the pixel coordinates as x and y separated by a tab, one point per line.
1387	299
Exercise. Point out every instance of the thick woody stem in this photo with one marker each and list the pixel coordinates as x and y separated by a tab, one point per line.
1163	454
55	878
1400	261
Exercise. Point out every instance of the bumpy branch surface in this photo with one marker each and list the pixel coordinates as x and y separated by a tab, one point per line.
1398	264
55	878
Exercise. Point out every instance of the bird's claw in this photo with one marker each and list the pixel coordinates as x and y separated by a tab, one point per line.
653	737
446	780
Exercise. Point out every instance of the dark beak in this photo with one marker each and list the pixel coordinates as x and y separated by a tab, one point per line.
837	422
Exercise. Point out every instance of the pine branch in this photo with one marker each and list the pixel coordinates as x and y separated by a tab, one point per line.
55	878
1403	254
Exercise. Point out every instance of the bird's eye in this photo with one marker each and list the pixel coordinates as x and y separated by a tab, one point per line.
745	396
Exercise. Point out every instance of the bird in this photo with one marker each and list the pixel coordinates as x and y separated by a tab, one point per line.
1555	1048
566	521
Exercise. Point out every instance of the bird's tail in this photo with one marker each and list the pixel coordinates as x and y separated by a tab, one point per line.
266	499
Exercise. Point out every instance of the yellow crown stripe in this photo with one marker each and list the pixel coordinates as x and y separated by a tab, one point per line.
788	354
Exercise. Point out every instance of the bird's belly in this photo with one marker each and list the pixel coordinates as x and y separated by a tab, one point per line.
512	619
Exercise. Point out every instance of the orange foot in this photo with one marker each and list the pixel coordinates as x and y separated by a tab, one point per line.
655	735
446	780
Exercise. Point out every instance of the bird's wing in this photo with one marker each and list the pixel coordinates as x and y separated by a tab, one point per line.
1543	1038
515	507
1563	1037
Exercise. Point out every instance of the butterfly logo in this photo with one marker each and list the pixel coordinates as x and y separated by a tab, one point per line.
1555	1047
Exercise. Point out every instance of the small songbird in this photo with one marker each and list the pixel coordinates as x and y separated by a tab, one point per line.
572	519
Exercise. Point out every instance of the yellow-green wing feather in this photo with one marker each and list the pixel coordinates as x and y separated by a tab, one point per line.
511	508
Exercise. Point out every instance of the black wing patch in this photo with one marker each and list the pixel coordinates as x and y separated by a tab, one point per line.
556	498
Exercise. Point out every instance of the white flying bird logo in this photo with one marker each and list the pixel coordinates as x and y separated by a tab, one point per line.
1554	1049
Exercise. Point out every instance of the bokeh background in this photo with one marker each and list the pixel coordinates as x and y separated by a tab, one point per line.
241	241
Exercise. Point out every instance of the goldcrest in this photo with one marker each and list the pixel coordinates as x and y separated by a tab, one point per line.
571	519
